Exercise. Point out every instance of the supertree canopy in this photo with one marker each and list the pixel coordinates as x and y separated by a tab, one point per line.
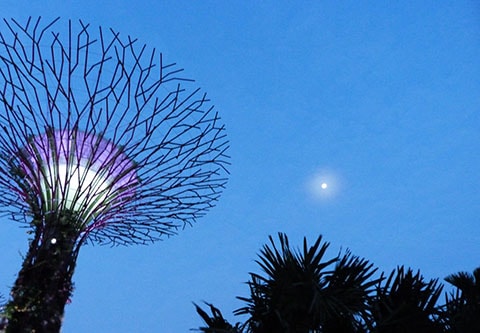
101	141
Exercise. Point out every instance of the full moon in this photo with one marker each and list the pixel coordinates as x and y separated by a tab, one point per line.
324	185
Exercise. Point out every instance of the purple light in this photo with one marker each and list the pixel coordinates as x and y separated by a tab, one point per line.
86	174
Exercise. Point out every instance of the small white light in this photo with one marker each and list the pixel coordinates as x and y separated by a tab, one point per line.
324	185
53	241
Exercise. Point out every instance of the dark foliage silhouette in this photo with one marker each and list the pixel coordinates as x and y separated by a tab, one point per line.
462	307
216	323
405	302
304	291
301	291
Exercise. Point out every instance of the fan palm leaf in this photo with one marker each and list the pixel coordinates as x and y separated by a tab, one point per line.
405	302
462	307
301	291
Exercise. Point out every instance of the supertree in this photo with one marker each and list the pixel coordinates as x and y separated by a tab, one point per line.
101	142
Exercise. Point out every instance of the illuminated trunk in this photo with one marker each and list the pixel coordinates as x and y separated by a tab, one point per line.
44	284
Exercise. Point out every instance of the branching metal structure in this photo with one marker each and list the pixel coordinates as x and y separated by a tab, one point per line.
101	141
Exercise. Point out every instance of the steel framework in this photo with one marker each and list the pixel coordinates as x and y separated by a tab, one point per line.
101	141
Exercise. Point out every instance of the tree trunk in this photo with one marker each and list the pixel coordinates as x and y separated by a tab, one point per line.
44	284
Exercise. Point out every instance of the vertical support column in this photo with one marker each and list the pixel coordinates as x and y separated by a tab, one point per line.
44	284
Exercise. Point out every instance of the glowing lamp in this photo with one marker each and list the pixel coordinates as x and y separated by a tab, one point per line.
77	172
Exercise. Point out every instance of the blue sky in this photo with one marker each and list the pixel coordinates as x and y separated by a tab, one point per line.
378	99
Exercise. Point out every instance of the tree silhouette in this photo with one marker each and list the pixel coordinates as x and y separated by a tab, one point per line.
101	142
406	303
462	308
303	292
216	323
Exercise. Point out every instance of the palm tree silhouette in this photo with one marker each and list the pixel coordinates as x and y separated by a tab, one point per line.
302	292
216	323
404	302
462	308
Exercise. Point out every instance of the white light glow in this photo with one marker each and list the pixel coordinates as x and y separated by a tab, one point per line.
76	186
324	185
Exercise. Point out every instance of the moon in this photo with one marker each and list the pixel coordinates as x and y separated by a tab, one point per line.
324	185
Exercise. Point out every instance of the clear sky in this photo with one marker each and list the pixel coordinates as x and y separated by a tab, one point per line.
380	100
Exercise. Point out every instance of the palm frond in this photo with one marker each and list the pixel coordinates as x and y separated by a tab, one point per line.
406	301
215	323
461	312
302	291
